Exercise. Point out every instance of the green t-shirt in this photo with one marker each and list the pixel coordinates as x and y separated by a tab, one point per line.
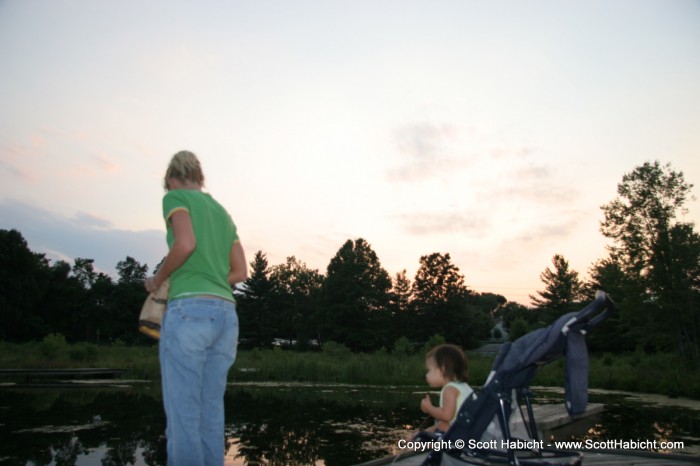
206	270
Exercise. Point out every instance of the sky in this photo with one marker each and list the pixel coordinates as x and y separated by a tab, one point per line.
492	131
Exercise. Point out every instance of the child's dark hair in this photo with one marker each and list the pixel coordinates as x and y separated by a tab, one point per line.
451	360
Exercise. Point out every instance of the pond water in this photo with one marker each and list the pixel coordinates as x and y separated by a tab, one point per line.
291	424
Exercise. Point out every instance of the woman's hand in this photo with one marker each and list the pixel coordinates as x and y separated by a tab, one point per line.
150	284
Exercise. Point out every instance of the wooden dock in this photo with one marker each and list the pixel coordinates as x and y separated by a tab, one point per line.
554	423
81	372
553	416
61	378
552	419
590	458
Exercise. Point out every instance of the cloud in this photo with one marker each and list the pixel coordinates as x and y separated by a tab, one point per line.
32	159
546	230
11	160
519	179
423	141
543	193
73	136
38	141
504	152
83	153
426	150
14	169
89	221
84	235
502	193
105	163
474	224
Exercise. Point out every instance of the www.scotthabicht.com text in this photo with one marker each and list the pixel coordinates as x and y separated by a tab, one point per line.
588	444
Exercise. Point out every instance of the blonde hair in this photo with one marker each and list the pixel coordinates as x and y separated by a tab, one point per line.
184	167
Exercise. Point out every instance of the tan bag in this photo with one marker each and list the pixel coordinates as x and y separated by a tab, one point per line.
153	310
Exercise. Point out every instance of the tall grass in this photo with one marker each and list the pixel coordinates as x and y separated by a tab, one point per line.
339	365
336	366
638	372
663	374
53	352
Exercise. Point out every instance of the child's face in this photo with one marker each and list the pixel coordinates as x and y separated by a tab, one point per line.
434	376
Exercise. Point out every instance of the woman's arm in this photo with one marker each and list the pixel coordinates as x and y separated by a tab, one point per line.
184	245
238	268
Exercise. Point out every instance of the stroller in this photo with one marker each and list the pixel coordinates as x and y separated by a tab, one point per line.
490	427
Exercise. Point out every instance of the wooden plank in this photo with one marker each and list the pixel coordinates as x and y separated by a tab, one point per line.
551	416
75	372
603	458
67	384
404	459
633	458
554	416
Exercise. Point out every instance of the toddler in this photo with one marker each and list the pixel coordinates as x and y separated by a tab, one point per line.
446	369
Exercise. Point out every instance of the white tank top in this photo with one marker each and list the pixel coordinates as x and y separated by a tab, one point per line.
464	391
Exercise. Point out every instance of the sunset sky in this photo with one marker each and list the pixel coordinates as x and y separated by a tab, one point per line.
489	130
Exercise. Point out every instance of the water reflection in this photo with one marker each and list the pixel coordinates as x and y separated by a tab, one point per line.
629	416
274	424
663	423
337	425
81	427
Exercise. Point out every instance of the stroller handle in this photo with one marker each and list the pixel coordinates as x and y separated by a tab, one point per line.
610	308
593	314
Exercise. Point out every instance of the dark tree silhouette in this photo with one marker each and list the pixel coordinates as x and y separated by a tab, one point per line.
355	298
653	248
562	292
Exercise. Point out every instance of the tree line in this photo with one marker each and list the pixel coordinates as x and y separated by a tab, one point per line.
651	271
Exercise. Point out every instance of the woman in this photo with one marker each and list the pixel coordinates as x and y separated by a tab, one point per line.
199	335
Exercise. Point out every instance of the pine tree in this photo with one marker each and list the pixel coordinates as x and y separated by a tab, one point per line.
438	280
441	302
401	308
355	299
254	304
296	298
563	290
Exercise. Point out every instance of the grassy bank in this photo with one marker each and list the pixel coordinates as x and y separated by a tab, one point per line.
662	373
140	362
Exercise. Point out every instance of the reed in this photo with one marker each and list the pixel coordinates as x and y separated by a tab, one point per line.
664	374
637	372
54	353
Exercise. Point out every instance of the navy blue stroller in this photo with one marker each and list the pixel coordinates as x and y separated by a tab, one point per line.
493	418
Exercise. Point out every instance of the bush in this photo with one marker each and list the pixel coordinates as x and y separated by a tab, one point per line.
432	342
53	346
402	347
518	328
332	348
85	352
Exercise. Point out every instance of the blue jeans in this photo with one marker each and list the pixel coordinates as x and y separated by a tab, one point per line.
198	343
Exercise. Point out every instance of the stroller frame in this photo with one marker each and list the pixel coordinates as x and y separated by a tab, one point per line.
508	386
